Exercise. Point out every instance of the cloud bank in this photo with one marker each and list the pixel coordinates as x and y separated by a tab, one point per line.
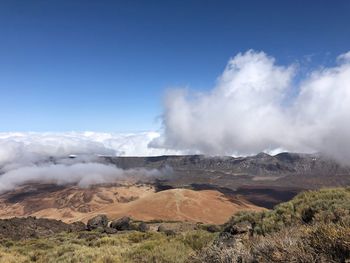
22	149
43	157
257	106
81	174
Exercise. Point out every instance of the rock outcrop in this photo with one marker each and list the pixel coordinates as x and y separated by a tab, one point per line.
97	222
31	227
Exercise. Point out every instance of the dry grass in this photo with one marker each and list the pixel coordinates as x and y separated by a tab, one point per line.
323	206
95	247
319	243
313	227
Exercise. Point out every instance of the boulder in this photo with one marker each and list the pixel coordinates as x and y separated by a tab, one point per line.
143	227
123	223
241	228
168	229
77	226
109	230
97	222
211	228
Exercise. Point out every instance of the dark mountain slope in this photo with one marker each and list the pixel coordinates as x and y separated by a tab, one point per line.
263	179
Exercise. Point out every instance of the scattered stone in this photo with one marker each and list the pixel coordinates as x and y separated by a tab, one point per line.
32	227
99	221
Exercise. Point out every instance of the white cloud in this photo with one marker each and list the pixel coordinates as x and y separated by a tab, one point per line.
82	174
18	149
25	157
251	110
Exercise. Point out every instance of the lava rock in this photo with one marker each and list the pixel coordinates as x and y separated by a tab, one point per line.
99	221
32	227
121	224
212	228
143	227
169	230
77	226
239	228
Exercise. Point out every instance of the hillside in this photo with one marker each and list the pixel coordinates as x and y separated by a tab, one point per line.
142	202
187	187
262	179
312	227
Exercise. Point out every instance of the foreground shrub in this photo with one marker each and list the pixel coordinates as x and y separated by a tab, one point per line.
323	206
93	247
332	241
318	243
312	227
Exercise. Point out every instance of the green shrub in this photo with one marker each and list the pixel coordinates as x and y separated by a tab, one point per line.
312	227
96	247
197	239
323	206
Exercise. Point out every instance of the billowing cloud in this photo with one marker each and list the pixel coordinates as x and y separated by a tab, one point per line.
256	106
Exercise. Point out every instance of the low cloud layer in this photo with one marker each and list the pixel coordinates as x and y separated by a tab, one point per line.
81	174
257	106
23	149
43	158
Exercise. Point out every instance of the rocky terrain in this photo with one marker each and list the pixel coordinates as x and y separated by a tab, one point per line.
262	179
281	170
32	227
312	227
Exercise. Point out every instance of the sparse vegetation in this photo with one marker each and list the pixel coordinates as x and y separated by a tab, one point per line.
323	206
98	247
313	243
312	227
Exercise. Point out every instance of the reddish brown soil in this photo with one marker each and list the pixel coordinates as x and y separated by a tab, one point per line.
140	202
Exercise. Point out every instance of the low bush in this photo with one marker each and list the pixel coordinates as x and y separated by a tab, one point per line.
323	206
312	227
91	247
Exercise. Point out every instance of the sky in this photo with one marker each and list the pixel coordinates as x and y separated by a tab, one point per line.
149	78
107	66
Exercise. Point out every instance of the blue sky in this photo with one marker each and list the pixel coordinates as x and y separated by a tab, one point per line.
105	65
